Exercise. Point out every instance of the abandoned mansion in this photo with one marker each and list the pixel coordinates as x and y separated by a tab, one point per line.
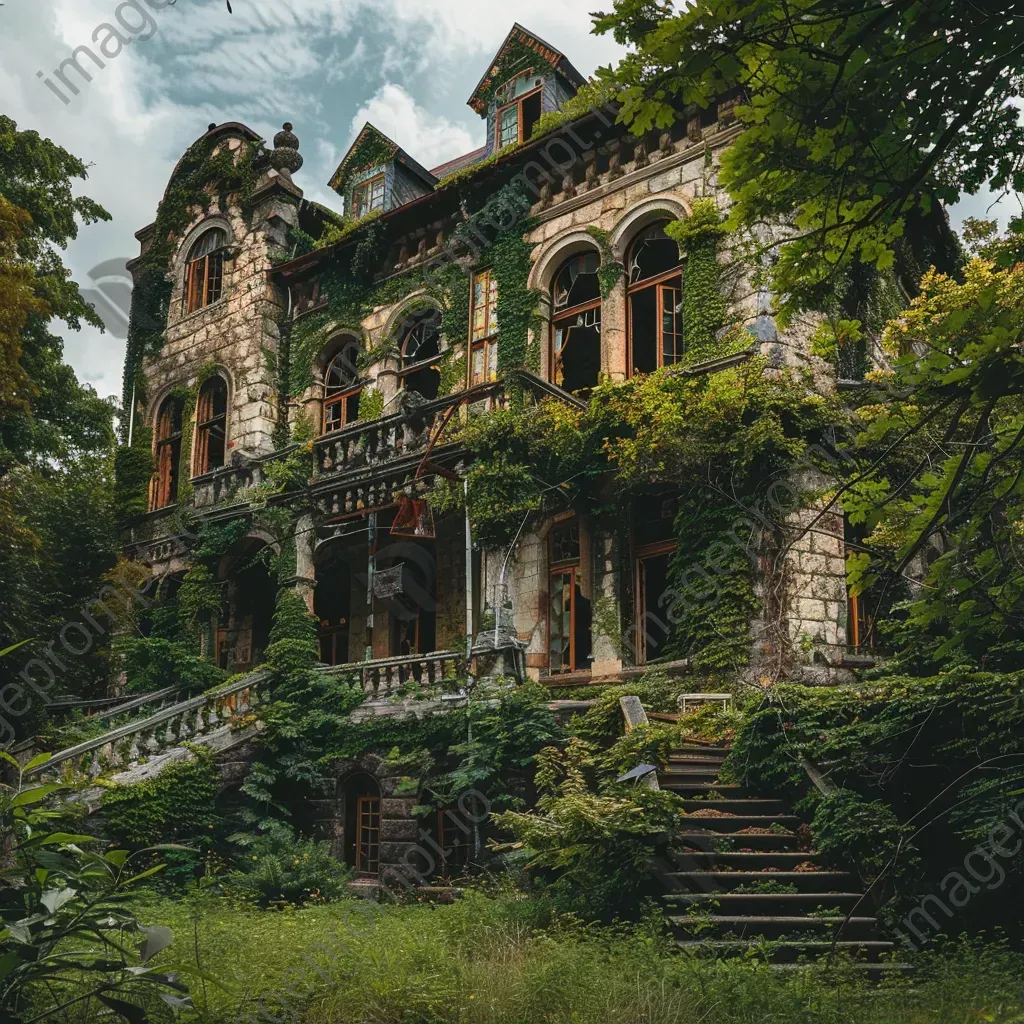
307	390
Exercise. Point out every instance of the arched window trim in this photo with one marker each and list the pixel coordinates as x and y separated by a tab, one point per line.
211	427
421	317
340	402
586	313
204	270
667	315
168	438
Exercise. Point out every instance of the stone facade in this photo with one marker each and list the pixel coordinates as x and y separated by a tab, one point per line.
369	473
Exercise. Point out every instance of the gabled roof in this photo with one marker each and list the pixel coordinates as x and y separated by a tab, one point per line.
460	162
371	148
518	38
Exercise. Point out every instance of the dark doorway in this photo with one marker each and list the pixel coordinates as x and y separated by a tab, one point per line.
256	590
332	603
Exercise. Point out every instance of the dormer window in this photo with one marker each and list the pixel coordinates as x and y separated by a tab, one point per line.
368	196
519	109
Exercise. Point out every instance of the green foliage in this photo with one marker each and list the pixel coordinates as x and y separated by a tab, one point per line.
371	404
705	310
133	471
516	59
857	123
860	834
66	923
177	804
611	271
592	95
596	850
281	871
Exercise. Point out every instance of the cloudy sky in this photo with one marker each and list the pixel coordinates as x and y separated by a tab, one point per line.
326	65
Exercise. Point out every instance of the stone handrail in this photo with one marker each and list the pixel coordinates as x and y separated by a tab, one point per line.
385	677
128	745
375	442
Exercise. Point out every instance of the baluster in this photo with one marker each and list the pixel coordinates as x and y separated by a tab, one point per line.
200	721
133	749
212	719
152	745
183	728
244	701
424	670
96	767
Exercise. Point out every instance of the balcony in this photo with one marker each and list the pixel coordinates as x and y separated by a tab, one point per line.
379	442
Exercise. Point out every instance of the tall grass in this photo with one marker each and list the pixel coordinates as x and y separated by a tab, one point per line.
505	961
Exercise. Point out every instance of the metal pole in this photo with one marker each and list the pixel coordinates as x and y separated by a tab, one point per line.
469	576
371	568
131	417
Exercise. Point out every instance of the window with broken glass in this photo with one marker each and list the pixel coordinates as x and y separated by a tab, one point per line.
518	115
368	196
421	353
576	324
342	389
483	318
655	297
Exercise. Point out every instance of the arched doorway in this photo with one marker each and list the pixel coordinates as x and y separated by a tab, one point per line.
361	797
243	633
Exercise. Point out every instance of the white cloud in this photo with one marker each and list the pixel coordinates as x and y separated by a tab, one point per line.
426	137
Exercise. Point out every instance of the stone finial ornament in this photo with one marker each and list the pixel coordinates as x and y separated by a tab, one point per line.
286	158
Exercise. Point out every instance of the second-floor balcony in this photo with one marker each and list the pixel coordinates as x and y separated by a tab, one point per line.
377	442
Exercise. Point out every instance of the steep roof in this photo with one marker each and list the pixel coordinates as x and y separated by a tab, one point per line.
505	65
371	148
460	162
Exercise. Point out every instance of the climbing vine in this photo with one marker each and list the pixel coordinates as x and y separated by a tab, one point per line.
515	59
611	271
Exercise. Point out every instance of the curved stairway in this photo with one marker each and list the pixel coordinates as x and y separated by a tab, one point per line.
742	878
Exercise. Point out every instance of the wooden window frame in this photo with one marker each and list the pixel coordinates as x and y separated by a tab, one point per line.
167	458
487	342
570	566
562	317
644	553
367	834
204	277
341	399
365	189
520	120
857	643
658	281
205	427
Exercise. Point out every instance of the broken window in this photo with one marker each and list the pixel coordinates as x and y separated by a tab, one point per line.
516	121
342	389
211	425
569	612
204	272
655	295
576	324
368	196
860	622
168	451
484	328
421	353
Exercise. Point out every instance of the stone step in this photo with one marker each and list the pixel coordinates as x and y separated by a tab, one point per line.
821	882
737	805
760	903
694	860
786	951
726	822
683	787
708	750
694	761
708	838
746	926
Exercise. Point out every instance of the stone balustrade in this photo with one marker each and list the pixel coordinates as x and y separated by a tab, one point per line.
388	677
377	442
187	721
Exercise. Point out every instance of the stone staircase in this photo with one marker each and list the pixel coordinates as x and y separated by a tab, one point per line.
742	878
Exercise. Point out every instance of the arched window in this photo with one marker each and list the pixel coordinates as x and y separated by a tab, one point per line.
421	352
168	451
342	388
655	294
204	272
211	425
576	323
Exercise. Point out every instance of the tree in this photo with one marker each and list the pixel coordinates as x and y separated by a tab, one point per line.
56	435
860	117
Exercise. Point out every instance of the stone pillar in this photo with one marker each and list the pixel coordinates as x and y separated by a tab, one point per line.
606	606
614	359
304	579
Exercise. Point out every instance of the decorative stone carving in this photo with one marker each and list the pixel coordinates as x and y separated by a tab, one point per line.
286	159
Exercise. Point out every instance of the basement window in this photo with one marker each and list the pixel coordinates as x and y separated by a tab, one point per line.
655	296
576	324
